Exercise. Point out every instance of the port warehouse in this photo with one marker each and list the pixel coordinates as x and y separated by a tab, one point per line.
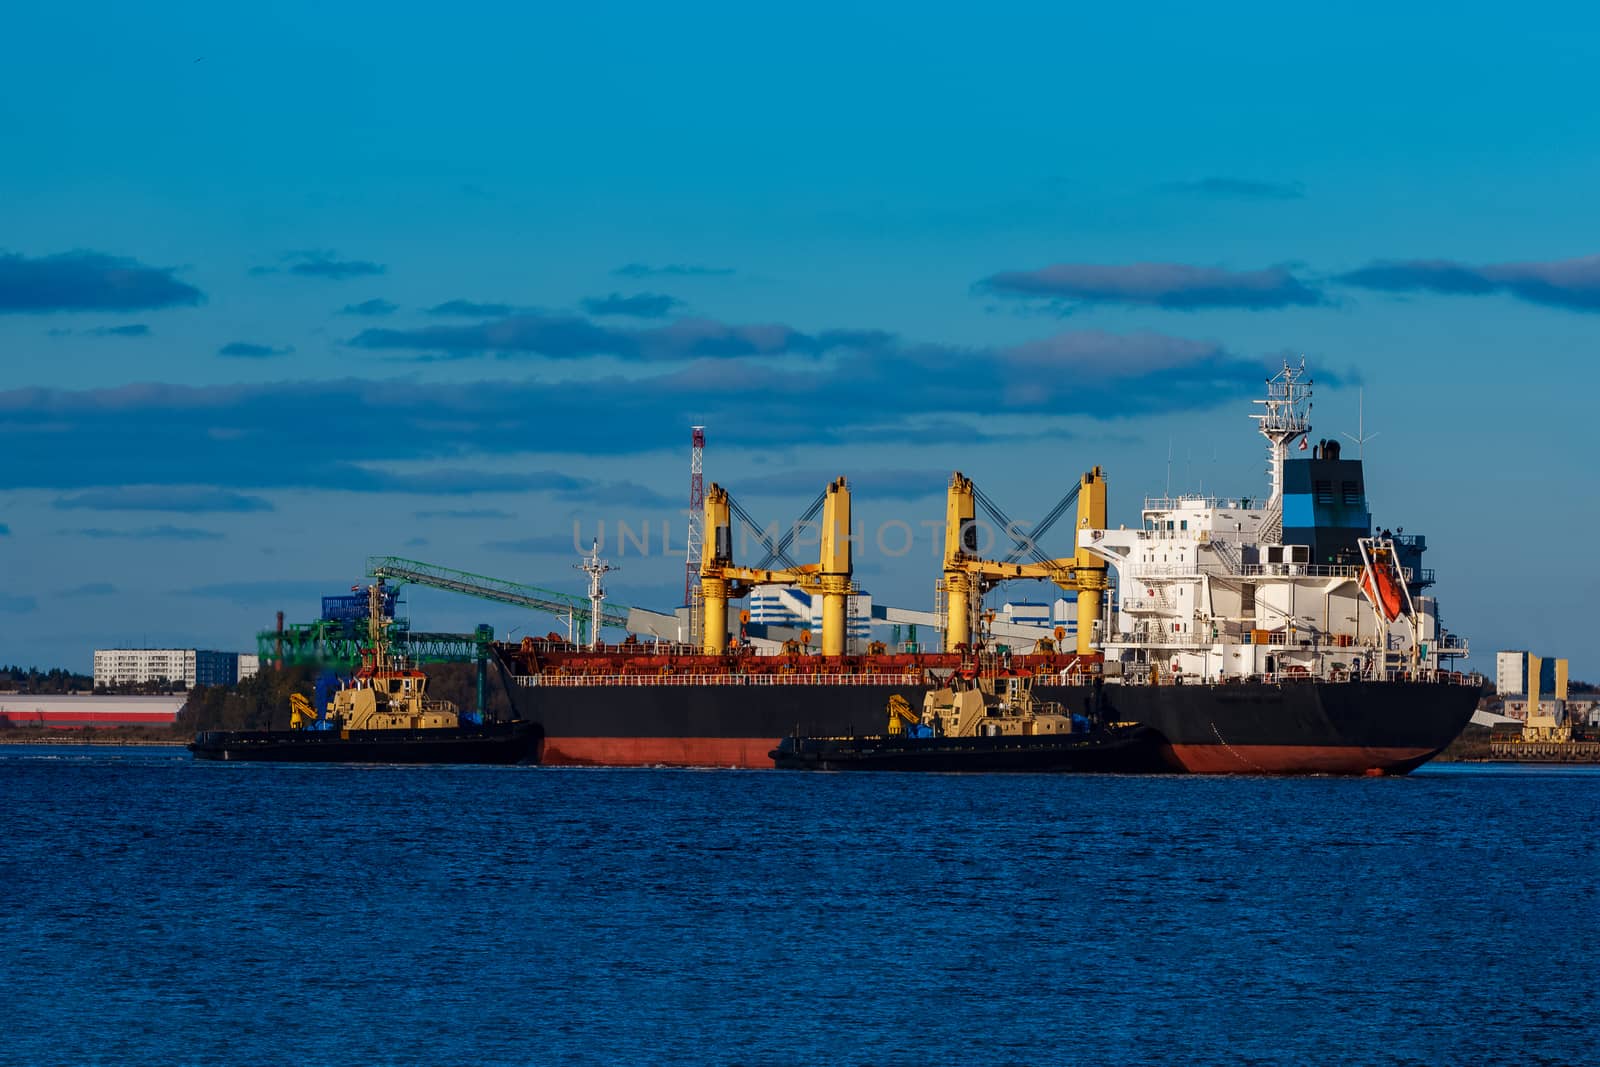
76	711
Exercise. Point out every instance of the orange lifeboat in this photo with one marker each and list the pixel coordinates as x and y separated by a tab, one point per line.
1387	595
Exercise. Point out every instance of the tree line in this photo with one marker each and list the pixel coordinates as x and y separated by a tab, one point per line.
54	680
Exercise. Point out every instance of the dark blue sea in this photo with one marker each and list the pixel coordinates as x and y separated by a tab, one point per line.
161	911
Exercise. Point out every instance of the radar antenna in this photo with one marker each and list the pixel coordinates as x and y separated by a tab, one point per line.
1287	416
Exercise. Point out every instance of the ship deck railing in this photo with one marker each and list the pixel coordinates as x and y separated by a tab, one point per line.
1195	500
1135	677
1300	641
730	678
1257	570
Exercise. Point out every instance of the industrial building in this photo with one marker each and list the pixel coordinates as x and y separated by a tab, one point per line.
1511	673
190	666
1026	620
788	605
1062	612
73	711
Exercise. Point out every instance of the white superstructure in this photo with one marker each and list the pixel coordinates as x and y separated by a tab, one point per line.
1206	589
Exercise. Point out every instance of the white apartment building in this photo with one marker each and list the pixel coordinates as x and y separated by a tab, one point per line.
192	667
1511	674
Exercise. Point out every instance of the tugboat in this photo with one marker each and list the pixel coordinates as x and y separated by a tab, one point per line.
383	716
984	723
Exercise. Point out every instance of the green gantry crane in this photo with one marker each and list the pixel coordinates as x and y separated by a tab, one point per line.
562	605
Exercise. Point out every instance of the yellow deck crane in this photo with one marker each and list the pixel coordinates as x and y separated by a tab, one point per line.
720	579
901	716
967	577
301	713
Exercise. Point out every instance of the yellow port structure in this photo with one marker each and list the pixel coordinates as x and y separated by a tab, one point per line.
1546	723
722	580
967	576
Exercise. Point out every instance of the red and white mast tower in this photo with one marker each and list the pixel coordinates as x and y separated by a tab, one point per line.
697	507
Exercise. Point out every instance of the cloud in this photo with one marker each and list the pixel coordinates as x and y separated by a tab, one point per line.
322	264
671	270
269	591
874	484
1238	189
1573	284
1174	286
472	309
5	531
570	337
464	513
246	350
88	281
416	542
560	544
187	499
17	605
134	329
620	494
148	533
640	305
89	589
373	307
472	436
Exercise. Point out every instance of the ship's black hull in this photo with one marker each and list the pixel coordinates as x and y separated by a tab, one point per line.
1297	727
1127	750
494	743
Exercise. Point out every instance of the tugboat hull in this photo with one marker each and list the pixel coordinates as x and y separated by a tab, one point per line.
496	743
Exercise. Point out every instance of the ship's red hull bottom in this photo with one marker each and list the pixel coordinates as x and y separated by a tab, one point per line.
752	753
746	752
1299	759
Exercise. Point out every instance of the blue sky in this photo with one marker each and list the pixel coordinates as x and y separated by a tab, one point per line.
283	290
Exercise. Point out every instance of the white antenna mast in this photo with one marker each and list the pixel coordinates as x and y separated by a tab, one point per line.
1287	415
595	568
1361	436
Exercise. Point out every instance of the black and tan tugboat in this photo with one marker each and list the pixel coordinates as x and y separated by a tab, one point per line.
984	723
383	716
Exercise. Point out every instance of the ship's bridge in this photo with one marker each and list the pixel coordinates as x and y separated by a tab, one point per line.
1187	518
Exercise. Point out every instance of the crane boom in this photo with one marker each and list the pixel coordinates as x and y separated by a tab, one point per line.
966	576
497	589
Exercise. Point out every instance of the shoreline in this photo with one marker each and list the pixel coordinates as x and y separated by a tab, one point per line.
117	742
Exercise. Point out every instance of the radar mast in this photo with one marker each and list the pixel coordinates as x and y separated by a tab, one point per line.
1287	416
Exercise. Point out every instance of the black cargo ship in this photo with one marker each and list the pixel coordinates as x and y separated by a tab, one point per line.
1278	635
